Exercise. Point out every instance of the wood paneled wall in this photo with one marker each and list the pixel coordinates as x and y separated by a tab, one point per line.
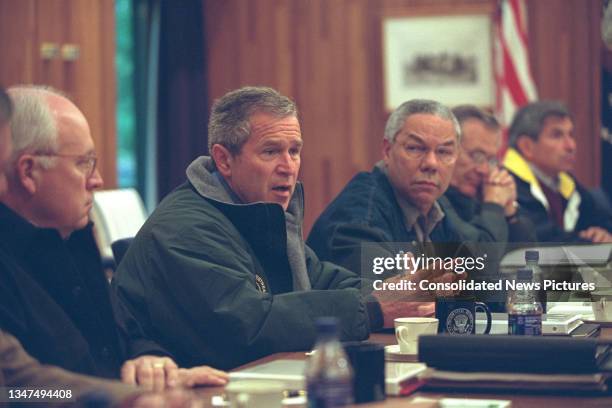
88	78
565	54
327	55
316	52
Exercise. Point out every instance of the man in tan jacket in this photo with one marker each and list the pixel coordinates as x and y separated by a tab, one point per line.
19	370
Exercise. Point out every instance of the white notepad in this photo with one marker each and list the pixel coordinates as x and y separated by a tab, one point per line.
291	374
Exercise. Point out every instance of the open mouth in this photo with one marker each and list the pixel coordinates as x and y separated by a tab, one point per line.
282	189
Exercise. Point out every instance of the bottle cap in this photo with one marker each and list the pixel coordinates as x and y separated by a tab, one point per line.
327	325
532	255
524	274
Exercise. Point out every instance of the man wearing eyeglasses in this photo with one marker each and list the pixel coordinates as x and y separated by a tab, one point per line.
398	200
482	193
57	303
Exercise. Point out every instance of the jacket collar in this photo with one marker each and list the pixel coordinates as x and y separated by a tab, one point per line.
202	174
410	213
517	164
16	232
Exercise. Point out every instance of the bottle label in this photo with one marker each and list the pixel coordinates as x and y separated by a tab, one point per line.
329	393
525	324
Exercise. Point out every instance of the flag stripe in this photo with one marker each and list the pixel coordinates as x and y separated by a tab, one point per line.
517	10
518	51
514	82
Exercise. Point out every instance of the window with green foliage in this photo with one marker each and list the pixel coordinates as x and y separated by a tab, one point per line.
126	127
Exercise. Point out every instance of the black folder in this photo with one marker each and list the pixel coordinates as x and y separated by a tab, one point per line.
515	354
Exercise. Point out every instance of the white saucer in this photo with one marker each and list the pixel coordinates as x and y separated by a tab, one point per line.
392	353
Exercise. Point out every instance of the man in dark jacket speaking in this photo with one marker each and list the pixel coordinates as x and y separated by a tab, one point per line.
220	273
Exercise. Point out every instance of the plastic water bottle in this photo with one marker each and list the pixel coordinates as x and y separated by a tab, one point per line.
329	377
532	258
524	310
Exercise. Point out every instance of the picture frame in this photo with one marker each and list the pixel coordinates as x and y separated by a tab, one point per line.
447	58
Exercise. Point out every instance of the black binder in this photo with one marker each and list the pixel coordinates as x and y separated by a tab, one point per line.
515	354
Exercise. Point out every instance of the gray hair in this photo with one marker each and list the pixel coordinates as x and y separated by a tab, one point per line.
529	120
229	117
33	126
466	112
396	121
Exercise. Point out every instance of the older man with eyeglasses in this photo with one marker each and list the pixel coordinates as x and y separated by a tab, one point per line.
398	201
481	192
57	303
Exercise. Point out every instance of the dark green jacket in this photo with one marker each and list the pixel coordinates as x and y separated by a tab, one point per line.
211	282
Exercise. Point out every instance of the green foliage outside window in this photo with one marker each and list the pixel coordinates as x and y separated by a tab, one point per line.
124	64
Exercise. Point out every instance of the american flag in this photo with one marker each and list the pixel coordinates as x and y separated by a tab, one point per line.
514	82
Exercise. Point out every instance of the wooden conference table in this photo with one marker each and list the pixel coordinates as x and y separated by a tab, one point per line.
518	400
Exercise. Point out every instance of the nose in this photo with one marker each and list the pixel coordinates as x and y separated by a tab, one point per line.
430	162
288	164
95	182
483	168
570	144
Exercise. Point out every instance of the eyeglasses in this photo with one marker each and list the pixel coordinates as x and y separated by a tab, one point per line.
446	155
85	163
479	158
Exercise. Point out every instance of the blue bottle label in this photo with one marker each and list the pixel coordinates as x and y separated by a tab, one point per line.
525	324
329	393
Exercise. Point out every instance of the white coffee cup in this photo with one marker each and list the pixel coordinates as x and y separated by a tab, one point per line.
255	394
408	330
602	305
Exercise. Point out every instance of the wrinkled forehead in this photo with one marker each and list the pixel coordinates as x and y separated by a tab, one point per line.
265	125
428	129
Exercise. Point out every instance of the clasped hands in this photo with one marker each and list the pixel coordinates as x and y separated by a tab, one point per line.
500	188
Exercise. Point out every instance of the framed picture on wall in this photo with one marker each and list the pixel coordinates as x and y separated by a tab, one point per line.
447	58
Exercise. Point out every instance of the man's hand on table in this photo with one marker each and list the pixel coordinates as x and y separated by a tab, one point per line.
158	373
596	235
202	375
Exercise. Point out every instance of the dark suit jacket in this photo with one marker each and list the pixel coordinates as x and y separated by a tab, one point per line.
55	298
473	211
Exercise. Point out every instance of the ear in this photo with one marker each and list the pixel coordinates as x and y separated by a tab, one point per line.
223	160
525	145
387	145
26	173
